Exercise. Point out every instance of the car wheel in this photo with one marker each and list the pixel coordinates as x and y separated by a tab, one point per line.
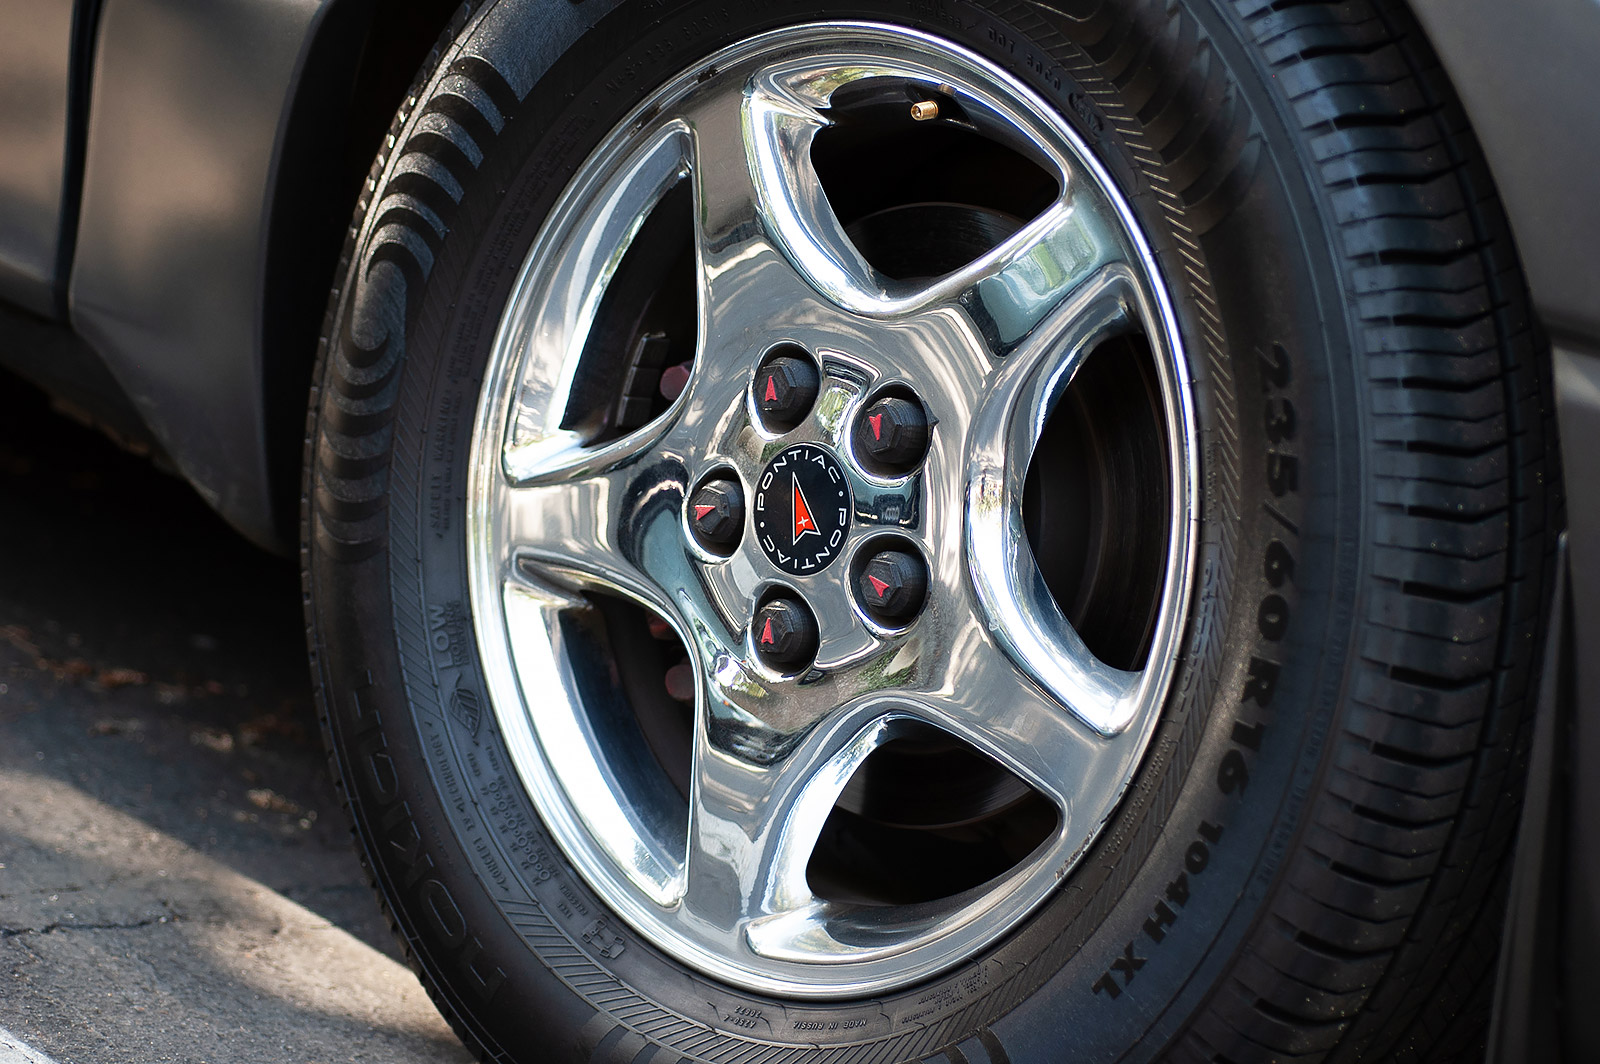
972	532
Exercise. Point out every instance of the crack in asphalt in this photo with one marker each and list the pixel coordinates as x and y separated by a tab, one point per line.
43	890
53	928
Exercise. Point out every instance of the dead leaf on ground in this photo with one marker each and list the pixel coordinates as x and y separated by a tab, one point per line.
212	739
115	726
71	669
270	800
259	727
19	638
122	678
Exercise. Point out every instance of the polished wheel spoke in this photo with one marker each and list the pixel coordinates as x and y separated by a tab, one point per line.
985	699
623	815
1009	291
547	334
767	233
613	532
620	526
759	800
1025	616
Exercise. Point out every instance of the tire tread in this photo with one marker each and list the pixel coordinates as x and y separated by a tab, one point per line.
1380	942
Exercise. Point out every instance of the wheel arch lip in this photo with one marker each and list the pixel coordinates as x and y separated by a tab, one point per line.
208	231
1525	76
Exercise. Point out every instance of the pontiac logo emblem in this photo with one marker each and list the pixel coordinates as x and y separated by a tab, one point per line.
802	509
803	524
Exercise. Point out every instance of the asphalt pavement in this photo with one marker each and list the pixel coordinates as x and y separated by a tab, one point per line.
177	881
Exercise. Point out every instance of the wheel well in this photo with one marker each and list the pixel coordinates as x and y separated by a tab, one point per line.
354	72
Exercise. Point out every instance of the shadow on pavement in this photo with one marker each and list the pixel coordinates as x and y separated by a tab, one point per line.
153	677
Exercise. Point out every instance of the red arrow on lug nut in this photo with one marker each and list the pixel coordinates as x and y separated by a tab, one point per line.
772	391
701	511
878	585
877	426
766	633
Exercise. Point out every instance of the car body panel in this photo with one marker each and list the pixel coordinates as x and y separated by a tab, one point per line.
1526	74
36	56
1577	376
183	135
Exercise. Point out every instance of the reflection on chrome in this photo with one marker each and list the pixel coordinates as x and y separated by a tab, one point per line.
991	660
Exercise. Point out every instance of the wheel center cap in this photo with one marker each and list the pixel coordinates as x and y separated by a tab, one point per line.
802	509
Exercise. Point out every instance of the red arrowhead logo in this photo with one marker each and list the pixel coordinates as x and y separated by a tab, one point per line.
877	426
701	511
878	585
772	391
804	524
766	633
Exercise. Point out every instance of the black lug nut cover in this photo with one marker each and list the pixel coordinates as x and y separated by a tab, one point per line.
716	513
785	388
893	432
785	633
892	585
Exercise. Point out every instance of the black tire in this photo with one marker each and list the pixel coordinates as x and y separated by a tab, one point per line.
1311	861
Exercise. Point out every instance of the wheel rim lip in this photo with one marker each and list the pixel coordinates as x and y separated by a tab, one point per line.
916	956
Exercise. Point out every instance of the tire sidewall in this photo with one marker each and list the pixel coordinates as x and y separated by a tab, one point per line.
510	935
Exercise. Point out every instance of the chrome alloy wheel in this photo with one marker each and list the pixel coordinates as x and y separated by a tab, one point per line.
575	504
